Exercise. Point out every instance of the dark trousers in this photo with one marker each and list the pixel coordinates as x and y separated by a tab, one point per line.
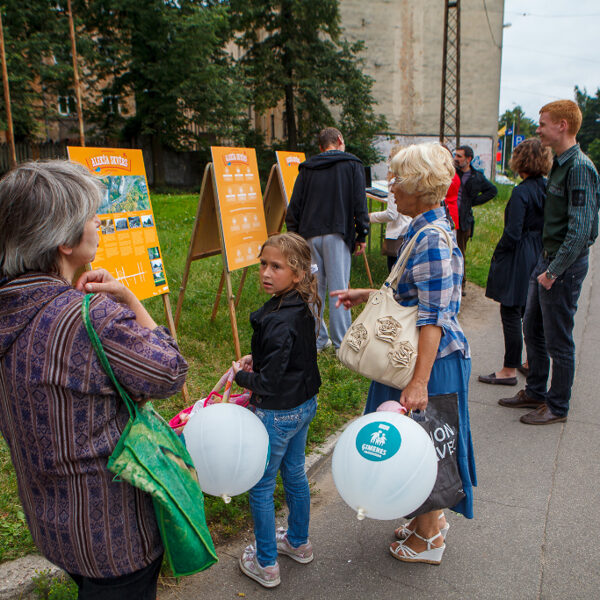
512	326
139	585
462	237
548	327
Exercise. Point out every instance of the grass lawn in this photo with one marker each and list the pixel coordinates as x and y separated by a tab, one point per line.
208	347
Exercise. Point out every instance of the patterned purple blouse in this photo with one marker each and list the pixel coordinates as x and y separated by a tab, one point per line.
61	419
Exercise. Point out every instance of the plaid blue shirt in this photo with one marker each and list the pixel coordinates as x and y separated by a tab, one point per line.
432	280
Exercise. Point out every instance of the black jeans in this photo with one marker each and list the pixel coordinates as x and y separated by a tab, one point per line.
548	326
139	585
512	326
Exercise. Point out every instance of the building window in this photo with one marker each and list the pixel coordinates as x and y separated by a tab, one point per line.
66	105
111	104
272	126
285	127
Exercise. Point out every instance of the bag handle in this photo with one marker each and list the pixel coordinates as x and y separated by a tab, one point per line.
400	265
227	381
97	345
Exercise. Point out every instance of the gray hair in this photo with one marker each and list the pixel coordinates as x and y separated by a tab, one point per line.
44	205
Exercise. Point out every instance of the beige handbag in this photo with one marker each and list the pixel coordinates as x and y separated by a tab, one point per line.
382	342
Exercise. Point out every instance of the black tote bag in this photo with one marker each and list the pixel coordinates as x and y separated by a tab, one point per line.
440	420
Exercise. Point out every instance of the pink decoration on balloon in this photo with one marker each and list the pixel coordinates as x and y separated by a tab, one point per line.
392	406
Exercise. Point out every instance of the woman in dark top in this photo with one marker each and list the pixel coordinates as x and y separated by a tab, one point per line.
517	252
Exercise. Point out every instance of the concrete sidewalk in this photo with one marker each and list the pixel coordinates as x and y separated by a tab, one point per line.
535	507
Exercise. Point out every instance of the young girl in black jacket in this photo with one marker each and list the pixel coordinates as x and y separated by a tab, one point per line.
283	376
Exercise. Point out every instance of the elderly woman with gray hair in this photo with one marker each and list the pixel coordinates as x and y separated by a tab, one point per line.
432	282
59	412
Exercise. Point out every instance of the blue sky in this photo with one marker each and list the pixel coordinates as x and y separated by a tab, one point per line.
551	46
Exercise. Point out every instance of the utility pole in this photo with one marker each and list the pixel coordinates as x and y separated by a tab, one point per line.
9	124
76	74
450	108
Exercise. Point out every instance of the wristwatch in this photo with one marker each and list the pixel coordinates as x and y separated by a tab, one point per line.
550	276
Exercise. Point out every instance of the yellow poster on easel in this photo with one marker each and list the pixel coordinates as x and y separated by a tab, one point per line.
288	167
128	247
240	205
230	220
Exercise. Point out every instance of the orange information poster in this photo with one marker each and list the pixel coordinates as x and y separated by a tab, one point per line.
128	247
288	165
240	205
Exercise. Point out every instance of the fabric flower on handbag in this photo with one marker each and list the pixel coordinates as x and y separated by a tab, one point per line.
402	354
358	336
387	329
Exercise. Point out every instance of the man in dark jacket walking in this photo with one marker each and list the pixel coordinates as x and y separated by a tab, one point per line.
329	210
475	189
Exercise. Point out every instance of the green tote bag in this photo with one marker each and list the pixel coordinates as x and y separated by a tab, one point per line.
150	456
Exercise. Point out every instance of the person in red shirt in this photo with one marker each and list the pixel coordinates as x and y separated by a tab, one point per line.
451	200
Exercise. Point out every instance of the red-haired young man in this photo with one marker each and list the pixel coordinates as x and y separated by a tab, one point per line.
570	228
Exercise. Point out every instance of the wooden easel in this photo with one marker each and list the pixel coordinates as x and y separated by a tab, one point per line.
275	201
208	240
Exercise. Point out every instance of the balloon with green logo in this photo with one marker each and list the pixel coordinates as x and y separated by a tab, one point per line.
384	466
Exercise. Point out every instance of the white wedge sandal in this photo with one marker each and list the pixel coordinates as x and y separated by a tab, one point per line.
431	556
404	531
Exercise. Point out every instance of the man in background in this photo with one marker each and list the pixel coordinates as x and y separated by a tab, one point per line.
570	228
328	209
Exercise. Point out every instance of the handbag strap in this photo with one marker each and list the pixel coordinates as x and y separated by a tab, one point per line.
97	345
400	266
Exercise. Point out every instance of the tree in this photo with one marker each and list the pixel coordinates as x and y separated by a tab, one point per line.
295	55
38	63
168	55
589	134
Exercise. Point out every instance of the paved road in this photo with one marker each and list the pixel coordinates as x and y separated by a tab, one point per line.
536	507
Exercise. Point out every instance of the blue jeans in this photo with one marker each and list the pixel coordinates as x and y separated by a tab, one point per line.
333	259
548	328
287	431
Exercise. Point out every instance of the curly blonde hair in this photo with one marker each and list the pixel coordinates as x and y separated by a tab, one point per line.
424	170
296	252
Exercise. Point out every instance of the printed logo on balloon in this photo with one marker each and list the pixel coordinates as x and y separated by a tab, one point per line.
378	441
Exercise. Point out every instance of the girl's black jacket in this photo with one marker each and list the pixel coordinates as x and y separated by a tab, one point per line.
284	354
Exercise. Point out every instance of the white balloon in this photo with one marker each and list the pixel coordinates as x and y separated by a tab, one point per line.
230	449
384	466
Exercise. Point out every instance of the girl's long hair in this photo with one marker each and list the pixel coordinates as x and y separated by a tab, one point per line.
296	252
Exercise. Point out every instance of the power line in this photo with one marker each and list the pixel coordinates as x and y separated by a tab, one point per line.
545	53
569	16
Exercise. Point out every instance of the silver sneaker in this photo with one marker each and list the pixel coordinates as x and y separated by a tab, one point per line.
302	554
249	565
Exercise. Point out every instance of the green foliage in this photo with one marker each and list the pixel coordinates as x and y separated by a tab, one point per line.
295	54
589	134
593	151
54	588
169	55
38	61
15	539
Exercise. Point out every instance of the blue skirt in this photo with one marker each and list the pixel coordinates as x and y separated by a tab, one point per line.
448	375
